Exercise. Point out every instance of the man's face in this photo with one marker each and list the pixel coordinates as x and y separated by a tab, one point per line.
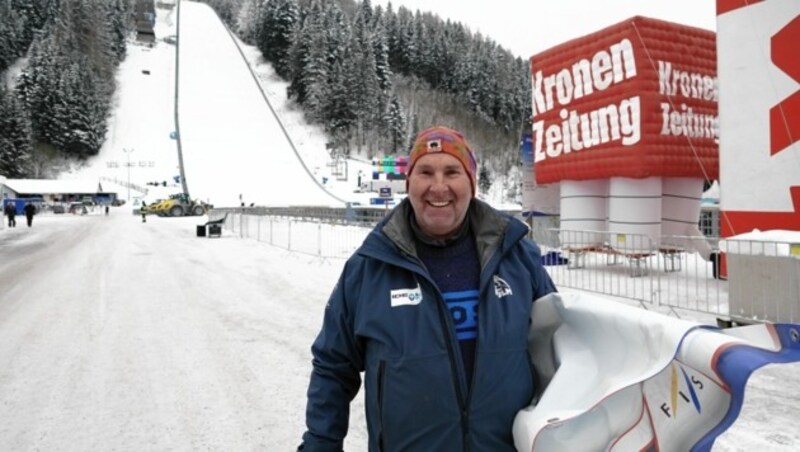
440	190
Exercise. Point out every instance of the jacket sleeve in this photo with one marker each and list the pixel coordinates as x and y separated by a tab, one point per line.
542	284
335	378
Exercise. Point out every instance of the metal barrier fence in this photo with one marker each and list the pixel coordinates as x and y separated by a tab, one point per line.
677	272
680	272
327	237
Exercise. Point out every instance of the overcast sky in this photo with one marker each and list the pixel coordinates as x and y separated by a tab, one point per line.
527	27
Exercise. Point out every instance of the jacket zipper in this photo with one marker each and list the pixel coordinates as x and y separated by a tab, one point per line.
462	407
449	334
481	307
381	383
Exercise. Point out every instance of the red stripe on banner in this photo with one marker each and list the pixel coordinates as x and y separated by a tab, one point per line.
714	365
784	118
784	124
776	338
740	222
724	6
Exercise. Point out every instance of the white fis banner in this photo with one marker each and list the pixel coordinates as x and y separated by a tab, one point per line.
621	378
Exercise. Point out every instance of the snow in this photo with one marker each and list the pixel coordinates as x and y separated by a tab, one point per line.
776	242
121	335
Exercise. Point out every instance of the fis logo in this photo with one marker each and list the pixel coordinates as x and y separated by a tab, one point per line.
687	392
406	297
501	288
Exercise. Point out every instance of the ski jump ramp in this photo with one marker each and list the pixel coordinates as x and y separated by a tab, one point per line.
227	131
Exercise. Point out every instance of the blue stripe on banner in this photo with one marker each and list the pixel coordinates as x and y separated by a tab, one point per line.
735	365
463	307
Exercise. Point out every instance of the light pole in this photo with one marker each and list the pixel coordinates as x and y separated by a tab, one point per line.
128	151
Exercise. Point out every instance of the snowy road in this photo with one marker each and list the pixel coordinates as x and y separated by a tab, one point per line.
118	335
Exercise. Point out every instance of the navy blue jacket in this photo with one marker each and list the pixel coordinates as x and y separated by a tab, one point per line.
386	318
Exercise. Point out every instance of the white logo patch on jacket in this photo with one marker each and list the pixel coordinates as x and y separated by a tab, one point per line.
501	287
406	297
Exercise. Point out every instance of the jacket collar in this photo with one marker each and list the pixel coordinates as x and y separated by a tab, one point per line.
493	230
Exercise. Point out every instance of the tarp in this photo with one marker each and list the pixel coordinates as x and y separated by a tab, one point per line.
620	378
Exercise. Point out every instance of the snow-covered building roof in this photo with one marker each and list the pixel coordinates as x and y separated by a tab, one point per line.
48	186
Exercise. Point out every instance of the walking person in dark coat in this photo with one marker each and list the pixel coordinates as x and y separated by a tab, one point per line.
30	210
11	211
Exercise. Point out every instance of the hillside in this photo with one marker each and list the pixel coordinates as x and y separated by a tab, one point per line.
231	119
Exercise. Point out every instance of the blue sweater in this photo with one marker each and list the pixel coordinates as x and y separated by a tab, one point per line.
456	270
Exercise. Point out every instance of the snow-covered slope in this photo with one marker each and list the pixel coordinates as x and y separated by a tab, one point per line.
232	143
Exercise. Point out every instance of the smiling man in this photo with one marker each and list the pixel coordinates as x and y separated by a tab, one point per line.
434	308
441	181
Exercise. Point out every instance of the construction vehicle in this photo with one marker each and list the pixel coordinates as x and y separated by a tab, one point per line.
179	205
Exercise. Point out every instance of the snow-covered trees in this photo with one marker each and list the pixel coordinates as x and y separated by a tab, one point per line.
344	58
15	136
20	20
10	34
277	20
341	68
61	98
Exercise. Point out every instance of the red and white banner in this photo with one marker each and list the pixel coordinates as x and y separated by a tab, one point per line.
637	99
759	83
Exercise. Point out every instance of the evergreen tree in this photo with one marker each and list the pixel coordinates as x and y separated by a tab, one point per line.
364	84
340	110
46	12
380	49
82	30
484	180
11	35
305	68
24	10
118	13
15	136
315	74
336	107
403	45
37	86
277	21
66	100
79	113
396	125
